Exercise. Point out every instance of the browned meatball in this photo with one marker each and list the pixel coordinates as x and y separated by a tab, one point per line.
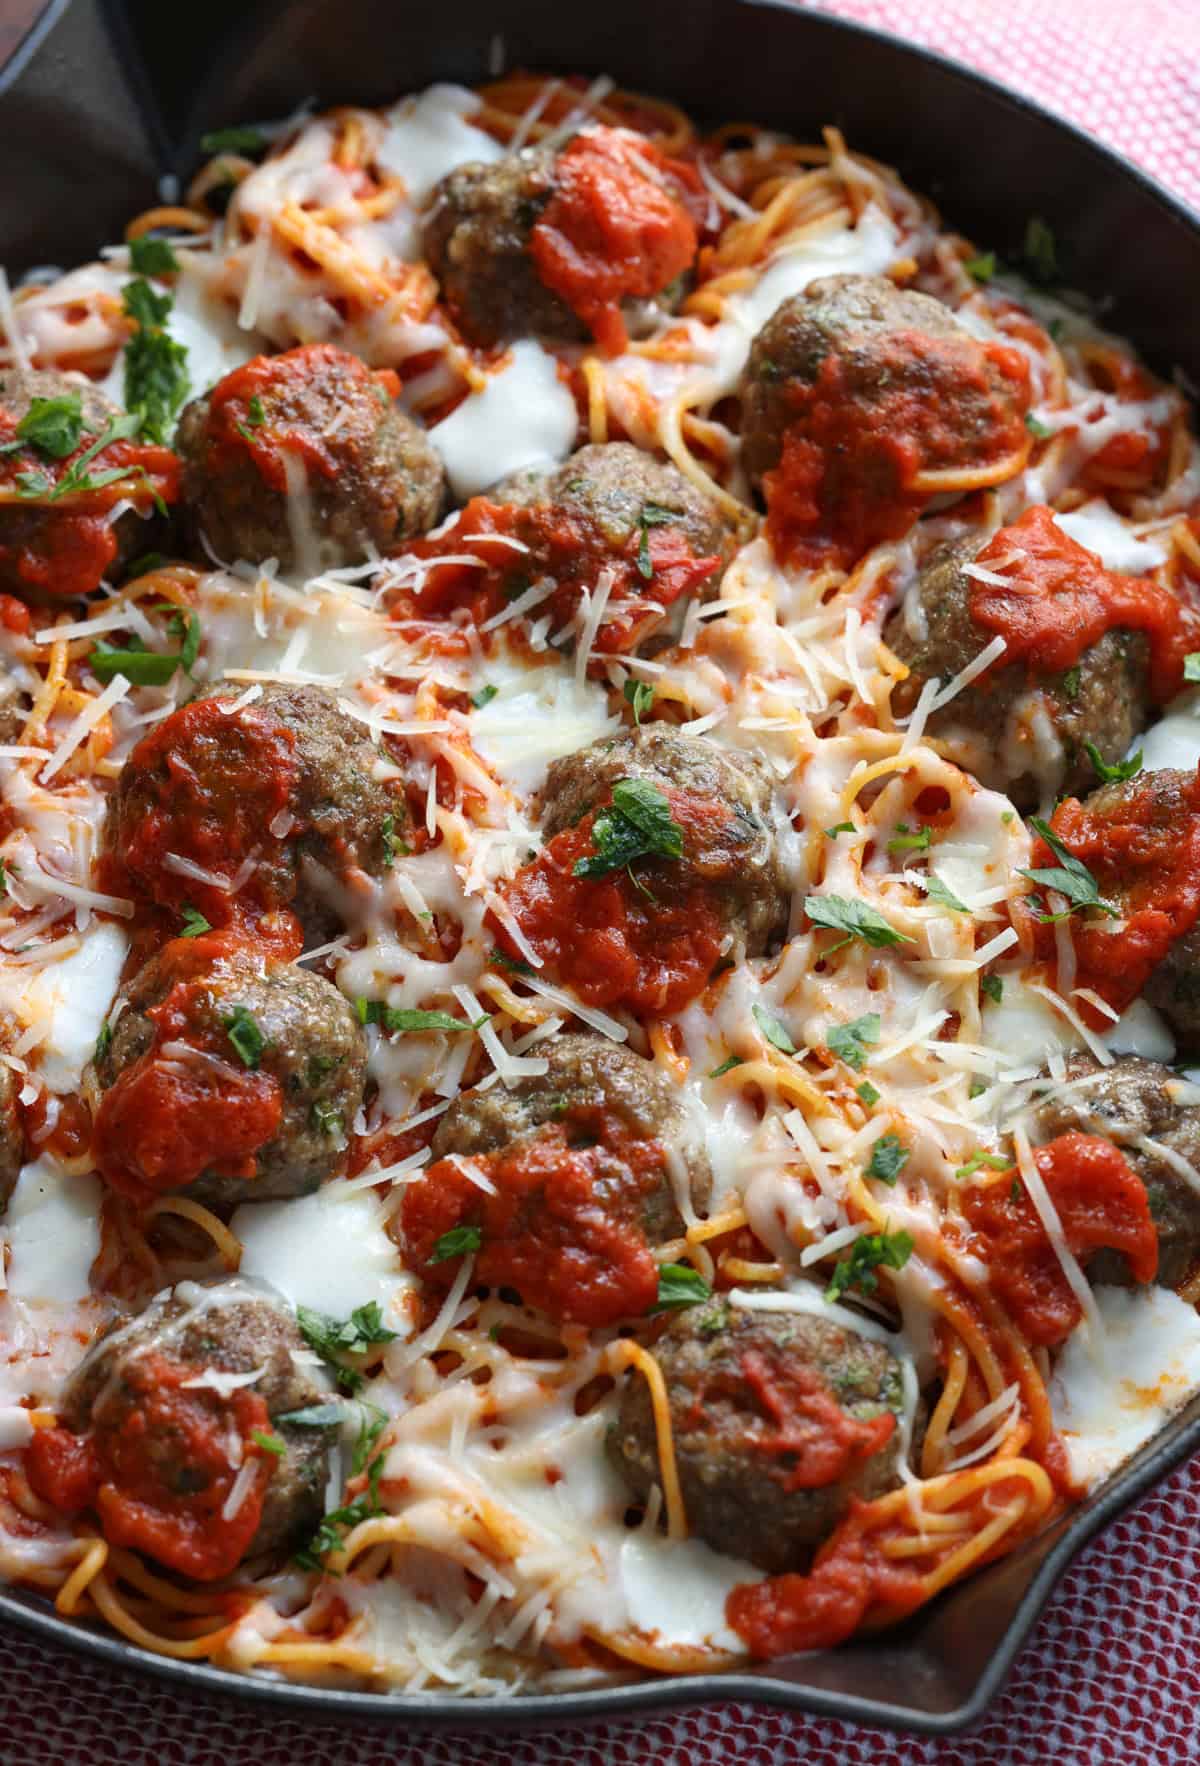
589	1166
1131	1102
753	1397
306	458
279	797
12	1138
161	1422
736	856
855	389
1019	729
228	1077
54	550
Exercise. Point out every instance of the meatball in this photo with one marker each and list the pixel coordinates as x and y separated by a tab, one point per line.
154	1437
1020	728
552	243
660	861
305	457
278	797
588	1164
779	1419
12	1138
228	1078
59	550
1132	1101
853	393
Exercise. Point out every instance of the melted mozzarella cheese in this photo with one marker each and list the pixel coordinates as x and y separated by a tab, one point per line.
327	1251
1098	527
430	135
314	634
1142	1031
525	416
1024	1028
536	717
1109	1397
70	999
677	1590
53	1230
1174	741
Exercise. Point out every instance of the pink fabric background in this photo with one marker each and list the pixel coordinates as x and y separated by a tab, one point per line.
1112	1674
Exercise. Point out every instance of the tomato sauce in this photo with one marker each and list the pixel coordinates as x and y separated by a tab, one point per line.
64	549
280	424
810	1426
566	545
1062	600
856	446
155	1468
565	1227
614	230
188	1102
609	938
1144	852
207	784
1136	459
1102	1205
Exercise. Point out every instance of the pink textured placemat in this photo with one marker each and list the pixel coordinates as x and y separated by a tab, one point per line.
1112	1674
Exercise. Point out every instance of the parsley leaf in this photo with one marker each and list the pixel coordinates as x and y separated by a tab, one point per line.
773	1030
640	695
398	1020
152	257
840	828
241	138
35	486
142	668
103	1042
329	1535
242	1029
515	964
993	1161
856	919
993	987
868	1093
905	841
679	1285
652	515
727	1066
982	267
460	1241
268	1443
194	923
868	1253
889	1156
1070	877
637	824
156	376
53	426
1113	775
849	1042
484	697
936	890
332	1338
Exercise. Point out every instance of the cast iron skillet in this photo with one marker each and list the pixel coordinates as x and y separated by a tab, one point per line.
118	93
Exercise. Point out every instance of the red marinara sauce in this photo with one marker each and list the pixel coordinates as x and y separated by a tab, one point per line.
565	1227
1102	1205
155	1467
184	1105
1143	848
821	1442
649	572
855	448
1062	600
204	786
616	228
259	413
64	548
605	935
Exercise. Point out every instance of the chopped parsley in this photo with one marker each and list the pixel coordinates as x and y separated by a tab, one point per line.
637	824
868	1253
194	923
849	1042
936	890
242	1029
329	1535
652	515
840	828
640	695
152	257
679	1285
993	987
484	697
333	1338
993	1162
1113	775
272	1444
53	426
1040	251
460	1241
727	1066
241	138
1070	877
889	1156
981	267
868	1093
1191	666
773	1030
906	840
103	1042
856	919
398	1020
515	964
393	846
1036	427
327	1120
255	415
36	487
156	376
142	566
1071	682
